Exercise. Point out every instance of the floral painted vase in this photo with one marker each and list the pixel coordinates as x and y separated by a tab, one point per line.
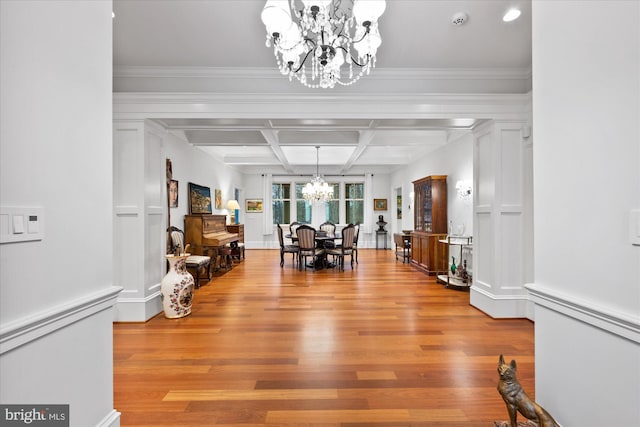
177	288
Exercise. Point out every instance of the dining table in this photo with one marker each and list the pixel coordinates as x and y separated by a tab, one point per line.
322	239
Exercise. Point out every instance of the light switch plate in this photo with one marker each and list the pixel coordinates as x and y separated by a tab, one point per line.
21	224
18	224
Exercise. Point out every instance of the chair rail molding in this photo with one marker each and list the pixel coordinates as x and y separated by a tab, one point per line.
621	324
29	328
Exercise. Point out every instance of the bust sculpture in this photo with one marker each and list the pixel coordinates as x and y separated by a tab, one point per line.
381	223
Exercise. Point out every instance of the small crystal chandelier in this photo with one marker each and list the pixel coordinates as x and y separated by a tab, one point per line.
322	38
317	190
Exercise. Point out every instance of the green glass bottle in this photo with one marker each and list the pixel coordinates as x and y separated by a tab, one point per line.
453	265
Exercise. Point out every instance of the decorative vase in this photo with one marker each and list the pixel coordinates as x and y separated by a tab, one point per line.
453	265
177	288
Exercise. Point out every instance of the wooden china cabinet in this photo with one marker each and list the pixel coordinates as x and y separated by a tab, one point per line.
430	224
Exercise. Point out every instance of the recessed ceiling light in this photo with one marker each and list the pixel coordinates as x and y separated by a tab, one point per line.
511	15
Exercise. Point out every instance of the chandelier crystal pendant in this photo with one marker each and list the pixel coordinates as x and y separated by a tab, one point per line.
313	39
317	190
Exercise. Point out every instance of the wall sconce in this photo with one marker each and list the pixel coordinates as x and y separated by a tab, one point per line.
411	196
464	189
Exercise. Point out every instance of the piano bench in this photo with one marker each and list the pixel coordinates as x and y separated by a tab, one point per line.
224	258
237	250
199	263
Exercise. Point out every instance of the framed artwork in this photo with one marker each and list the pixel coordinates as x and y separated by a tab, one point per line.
218	198
253	205
199	199
399	205
379	204
173	193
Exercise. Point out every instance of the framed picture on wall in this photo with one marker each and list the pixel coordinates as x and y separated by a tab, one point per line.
218	194
173	193
253	205
199	199
379	204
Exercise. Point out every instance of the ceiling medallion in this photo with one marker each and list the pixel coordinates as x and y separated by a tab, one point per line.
322	36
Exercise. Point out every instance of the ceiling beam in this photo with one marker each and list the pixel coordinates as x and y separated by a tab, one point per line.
364	139
271	136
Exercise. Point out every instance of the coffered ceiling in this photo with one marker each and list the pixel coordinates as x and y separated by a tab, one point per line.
204	46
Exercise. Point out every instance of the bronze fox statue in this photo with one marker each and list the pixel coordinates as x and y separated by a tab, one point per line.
517	400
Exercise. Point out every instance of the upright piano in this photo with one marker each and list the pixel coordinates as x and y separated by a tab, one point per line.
207	234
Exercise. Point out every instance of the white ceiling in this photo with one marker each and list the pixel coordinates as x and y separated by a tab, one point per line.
418	36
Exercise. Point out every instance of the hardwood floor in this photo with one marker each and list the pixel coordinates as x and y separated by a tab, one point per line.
379	345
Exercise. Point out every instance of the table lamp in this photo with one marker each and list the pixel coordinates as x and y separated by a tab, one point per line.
232	205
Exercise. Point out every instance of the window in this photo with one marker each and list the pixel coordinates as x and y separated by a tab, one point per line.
303	208
281	198
332	207
354	203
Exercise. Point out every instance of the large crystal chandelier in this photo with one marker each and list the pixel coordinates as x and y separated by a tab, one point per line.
312	40
317	190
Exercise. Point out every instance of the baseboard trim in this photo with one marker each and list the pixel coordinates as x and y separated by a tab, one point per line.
138	309
501	306
626	326
29	328
111	420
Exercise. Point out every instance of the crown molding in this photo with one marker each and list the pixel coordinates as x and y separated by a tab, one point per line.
378	73
129	106
269	80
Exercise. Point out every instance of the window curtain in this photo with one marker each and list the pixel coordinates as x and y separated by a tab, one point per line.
368	202
267	204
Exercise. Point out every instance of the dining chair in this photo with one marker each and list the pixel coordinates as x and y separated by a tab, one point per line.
195	262
292	231
286	249
329	228
346	248
307	243
355	241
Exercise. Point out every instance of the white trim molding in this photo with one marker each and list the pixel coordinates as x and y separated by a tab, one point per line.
144	105
621	324
507	306
269	79
138	309
112	419
30	328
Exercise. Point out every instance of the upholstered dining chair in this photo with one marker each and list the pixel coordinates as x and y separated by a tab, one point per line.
286	249
292	231
346	248
307	243
330	228
355	241
194	262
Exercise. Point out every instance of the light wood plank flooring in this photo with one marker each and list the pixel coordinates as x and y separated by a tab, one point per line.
377	345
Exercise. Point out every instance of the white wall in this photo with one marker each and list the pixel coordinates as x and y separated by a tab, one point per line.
586	109
57	295
190	164
454	159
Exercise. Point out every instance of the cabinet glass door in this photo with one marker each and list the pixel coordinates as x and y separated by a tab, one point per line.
427	208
